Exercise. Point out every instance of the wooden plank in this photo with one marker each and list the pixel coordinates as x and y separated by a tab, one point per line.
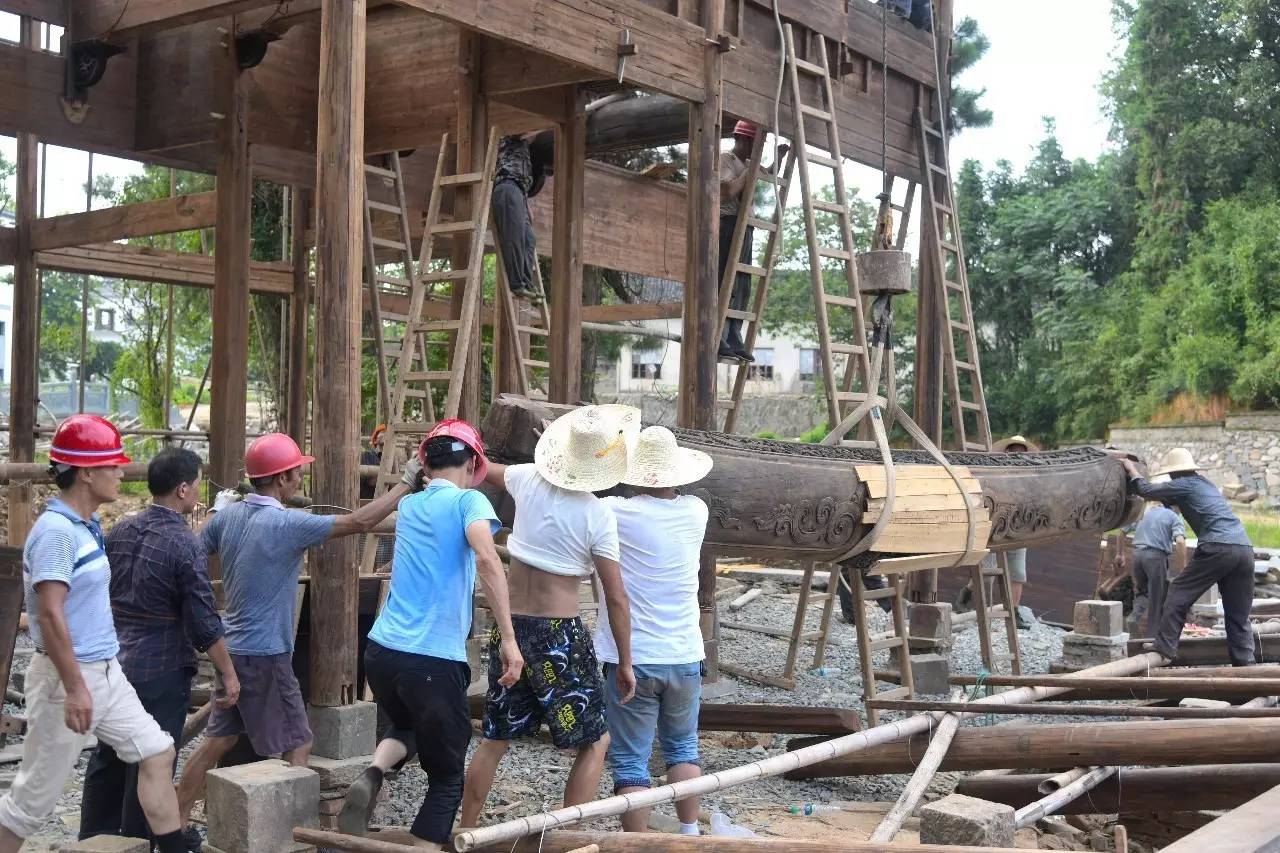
777	719
912	539
1250	828
299	317
908	487
669	54
411	93
566	255
50	11
8	246
143	263
921	503
506	69
336	423
621	313
121	19
912	472
922	517
927	561
163	216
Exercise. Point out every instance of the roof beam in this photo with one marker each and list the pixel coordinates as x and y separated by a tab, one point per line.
145	219
142	263
119	19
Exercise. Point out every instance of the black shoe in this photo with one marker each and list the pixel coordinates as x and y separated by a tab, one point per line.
743	356
524	291
726	353
362	796
193	839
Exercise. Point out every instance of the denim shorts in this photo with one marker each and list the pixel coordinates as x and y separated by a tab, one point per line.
666	704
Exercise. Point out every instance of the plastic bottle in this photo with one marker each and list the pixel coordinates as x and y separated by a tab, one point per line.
815	808
721	825
825	671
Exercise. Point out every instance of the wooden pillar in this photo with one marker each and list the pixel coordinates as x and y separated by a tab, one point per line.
336	426
24	385
696	407
299	309
230	360
472	137
566	252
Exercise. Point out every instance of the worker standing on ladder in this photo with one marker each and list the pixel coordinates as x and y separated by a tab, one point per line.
524	162
734	172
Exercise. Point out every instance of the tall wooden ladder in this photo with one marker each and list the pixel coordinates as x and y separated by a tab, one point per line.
896	641
845	394
763	274
963	390
526	333
433	352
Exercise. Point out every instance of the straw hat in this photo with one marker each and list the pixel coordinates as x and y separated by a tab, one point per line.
659	463
1178	459
587	449
1002	446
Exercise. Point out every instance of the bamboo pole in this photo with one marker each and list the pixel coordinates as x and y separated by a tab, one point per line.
1069	710
1155	687
1061	780
1086	781
773	766
920	780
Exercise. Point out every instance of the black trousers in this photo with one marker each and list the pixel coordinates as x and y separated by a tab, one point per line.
423	701
1231	568
1150	584
741	282
110	802
516	241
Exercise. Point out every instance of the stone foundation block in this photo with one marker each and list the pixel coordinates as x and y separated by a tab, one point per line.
930	626
1082	650
291	847
344	731
1096	618
108	844
338	773
929	674
253	808
957	820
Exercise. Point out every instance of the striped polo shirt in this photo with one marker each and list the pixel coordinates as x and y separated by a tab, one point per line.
66	548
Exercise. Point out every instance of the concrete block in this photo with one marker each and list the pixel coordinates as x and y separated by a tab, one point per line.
929	674
1081	650
291	847
108	844
958	820
930	626
338	772
253	808
1210	596
345	731
1096	618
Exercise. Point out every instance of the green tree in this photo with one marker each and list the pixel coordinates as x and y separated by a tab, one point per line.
968	45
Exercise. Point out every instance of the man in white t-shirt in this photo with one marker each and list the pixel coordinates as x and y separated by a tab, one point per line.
562	533
660	534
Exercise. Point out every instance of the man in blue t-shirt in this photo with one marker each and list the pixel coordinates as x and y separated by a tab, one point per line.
261	546
416	659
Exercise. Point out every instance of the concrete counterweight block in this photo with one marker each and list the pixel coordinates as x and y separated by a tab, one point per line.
960	820
1094	618
344	731
930	674
253	808
930	626
108	844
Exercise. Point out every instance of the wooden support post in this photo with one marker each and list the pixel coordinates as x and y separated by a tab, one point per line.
1250	828
472	135
299	305
336	433
24	387
565	381
230	368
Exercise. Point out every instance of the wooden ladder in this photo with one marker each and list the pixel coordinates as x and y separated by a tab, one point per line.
897	641
412	411
527	329
842	396
763	273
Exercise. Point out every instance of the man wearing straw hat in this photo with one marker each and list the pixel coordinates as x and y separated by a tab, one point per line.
562	533
1224	555
660	534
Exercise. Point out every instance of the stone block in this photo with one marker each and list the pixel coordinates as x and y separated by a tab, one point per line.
958	820
108	844
930	626
1096	618
291	847
1210	596
344	731
929	674
338	772
253	808
1080	650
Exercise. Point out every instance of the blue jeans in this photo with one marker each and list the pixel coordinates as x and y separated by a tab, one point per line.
666	703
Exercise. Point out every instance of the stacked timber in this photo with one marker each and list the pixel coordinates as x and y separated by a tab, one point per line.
930	505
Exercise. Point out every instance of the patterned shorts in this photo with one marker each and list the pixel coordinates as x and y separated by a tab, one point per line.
560	685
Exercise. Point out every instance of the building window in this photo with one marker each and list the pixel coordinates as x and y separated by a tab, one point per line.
810	365
105	320
763	366
646	364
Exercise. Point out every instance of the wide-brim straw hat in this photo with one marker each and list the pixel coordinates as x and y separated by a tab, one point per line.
1178	459
1002	446
659	463
588	449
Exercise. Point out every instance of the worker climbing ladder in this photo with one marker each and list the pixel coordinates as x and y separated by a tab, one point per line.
526	332
844	394
432	355
763	273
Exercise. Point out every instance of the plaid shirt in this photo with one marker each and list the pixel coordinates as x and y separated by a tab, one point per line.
160	594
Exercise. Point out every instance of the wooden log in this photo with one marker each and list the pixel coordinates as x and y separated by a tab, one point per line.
1249	828
628	842
144	219
565	344
299	318
1137	687
1228	741
746	598
1068	710
777	719
1135	790
1199	651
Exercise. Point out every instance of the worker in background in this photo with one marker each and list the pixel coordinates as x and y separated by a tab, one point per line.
918	12
660	534
164	613
524	162
562	533
75	688
733	180
261	546
1224	555
1158	533
372	456
416	659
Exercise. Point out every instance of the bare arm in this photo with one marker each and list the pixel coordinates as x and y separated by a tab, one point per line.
230	681
615	596
733	188
494	581
496	475
1179	554
51	599
366	517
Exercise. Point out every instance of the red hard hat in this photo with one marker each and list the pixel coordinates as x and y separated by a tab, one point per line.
87	441
468	435
745	129
273	453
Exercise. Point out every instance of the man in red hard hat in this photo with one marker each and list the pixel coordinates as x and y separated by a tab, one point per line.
261	546
75	687
733	180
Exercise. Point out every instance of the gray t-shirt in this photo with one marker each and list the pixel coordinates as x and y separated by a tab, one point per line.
1158	528
730	169
261	545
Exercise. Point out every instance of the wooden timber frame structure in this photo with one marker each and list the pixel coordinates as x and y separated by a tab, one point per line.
343	81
